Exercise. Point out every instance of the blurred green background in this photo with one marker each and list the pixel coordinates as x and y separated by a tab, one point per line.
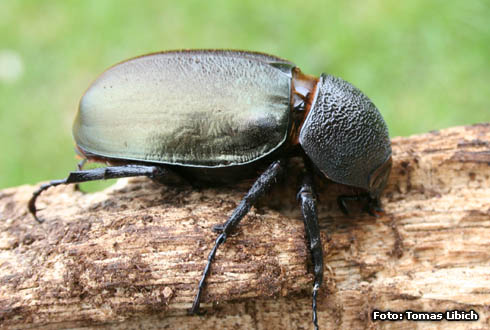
425	64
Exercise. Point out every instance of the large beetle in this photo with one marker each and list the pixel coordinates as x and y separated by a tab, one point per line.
219	115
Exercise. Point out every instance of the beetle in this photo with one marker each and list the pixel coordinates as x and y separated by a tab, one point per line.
217	116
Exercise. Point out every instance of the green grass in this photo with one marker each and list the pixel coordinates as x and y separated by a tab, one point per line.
425	64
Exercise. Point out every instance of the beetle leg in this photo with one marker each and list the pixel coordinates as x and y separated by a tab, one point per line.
81	164
373	205
261	185
343	198
79	168
306	196
101	173
218	228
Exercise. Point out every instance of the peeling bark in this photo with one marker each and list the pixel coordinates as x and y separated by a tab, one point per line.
131	255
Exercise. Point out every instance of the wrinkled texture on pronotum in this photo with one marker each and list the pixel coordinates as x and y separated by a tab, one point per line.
216	116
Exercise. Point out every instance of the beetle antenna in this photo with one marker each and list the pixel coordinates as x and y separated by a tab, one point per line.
316	288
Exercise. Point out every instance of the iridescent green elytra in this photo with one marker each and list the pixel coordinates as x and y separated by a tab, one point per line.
201	108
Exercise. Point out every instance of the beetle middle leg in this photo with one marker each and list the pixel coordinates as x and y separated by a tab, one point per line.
261	185
101	173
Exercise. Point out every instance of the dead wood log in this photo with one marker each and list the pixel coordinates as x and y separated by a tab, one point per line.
131	255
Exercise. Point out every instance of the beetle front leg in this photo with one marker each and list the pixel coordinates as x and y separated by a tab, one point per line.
306	196
263	183
101	173
372	206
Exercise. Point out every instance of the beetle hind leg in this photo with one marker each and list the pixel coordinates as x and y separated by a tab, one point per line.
261	185
101	173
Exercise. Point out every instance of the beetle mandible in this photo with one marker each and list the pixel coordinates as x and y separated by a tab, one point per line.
219	115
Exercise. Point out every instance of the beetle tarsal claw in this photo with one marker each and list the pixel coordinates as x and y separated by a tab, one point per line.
39	220
33	211
373	207
198	312
193	310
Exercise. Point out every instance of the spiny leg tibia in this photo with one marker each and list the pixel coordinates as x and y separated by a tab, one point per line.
306	196
261	185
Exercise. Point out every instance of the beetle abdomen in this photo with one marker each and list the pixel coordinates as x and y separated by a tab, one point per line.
194	108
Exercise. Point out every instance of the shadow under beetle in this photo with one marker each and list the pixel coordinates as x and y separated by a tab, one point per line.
215	116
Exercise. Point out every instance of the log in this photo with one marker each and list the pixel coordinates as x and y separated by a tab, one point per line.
131	256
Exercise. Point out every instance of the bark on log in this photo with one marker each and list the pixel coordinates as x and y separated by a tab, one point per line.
131	256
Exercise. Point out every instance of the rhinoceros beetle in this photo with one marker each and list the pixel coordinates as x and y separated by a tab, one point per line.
219	115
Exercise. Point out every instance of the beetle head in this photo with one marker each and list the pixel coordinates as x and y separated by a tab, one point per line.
346	137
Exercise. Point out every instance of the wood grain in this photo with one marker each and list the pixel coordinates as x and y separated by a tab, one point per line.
131	255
